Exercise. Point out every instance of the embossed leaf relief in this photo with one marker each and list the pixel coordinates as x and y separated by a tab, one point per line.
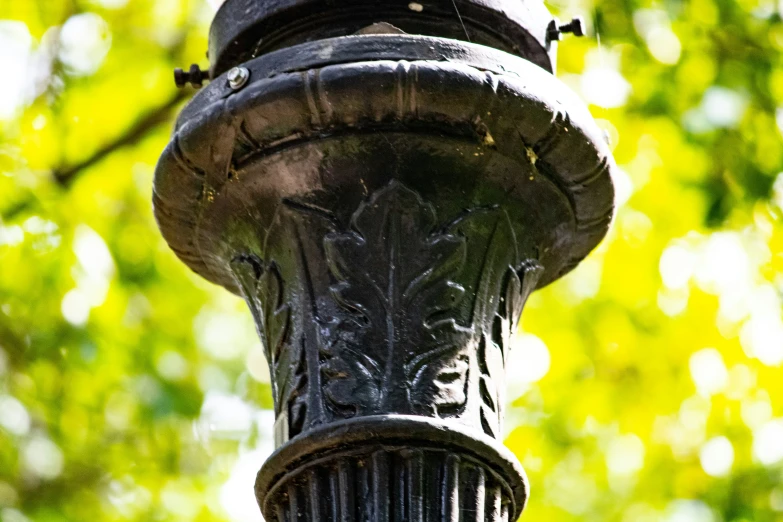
520	282
262	288
397	348
493	352
390	342
491	383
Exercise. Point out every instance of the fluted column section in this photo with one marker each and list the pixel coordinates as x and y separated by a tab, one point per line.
392	485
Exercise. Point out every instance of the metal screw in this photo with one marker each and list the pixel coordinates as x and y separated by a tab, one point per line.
195	76
576	27
238	77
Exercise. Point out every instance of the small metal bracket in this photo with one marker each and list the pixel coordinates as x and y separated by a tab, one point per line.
576	27
195	77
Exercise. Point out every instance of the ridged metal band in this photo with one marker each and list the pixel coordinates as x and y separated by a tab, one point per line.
387	468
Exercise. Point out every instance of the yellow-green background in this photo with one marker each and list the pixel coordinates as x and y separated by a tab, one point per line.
131	390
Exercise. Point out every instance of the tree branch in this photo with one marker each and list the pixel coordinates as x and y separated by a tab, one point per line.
67	174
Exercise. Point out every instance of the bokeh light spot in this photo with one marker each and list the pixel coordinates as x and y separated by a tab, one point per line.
43	458
85	40
708	371
14	416
717	457
625	455
768	442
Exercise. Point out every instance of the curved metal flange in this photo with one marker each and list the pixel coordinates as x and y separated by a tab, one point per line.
385	204
503	109
447	458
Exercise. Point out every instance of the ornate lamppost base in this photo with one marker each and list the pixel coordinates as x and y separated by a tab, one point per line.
385	204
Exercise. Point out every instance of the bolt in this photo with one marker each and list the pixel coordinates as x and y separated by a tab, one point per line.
238	77
195	76
575	27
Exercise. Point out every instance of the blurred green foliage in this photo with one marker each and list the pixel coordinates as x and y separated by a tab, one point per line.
649	380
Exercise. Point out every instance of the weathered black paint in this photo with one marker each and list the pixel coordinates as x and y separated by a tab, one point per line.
245	29
385	203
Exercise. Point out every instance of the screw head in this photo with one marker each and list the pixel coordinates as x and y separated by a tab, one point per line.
238	77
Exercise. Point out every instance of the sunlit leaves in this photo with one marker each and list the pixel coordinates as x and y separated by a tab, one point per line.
647	387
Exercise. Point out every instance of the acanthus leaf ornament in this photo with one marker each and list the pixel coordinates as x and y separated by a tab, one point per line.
262	287
397	348
392	340
520	283
494	349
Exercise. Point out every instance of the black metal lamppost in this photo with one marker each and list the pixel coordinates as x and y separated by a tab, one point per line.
385	182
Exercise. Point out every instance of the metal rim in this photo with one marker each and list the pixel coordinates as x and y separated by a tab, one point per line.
404	430
570	147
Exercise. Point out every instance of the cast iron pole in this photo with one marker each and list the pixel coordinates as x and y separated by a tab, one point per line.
385	182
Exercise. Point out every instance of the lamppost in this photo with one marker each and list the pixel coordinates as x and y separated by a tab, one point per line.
385	182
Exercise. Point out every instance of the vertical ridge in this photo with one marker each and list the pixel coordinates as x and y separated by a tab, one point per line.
414	469
316	511
394	484
293	503
399	485
480	492
433	480
334	494
308	80
494	503
345	481
450	489
380	486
